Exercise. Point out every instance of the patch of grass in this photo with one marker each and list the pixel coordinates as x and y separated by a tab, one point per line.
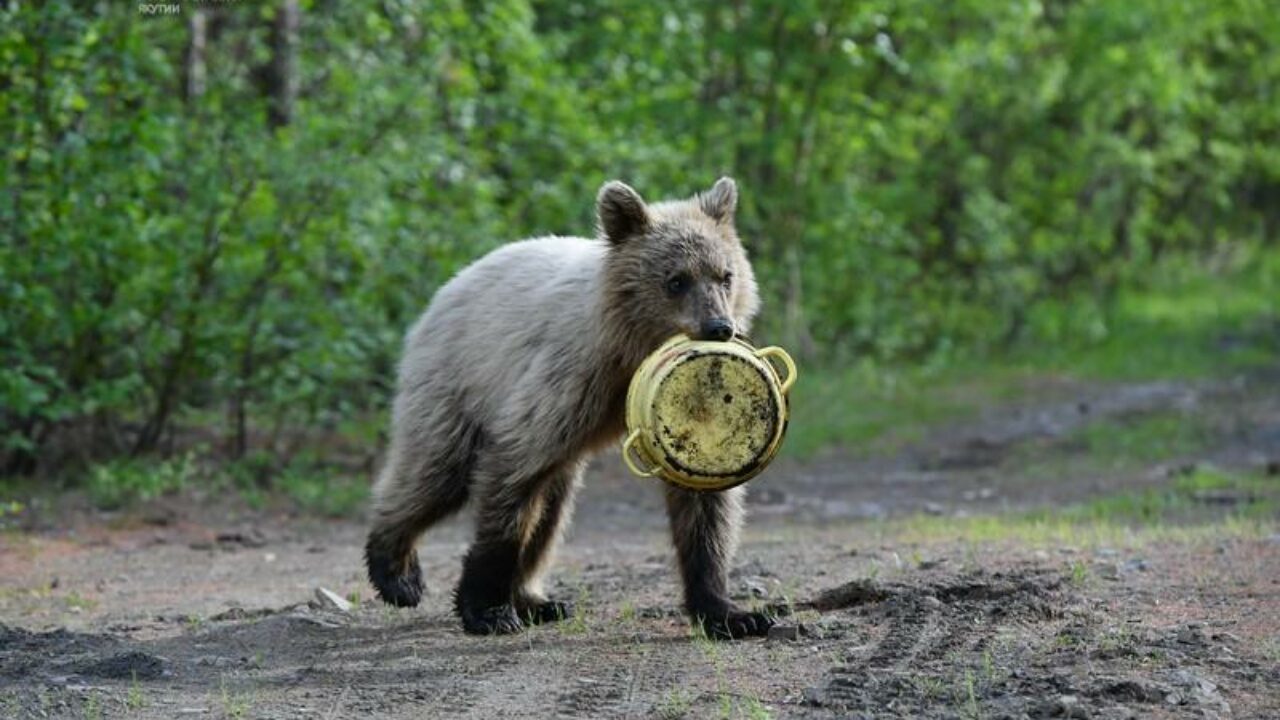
1190	321
117	483
931	687
1203	503
76	601
1182	501
627	613
725	701
1187	322
1079	573
968	696
134	700
1271	649
752	709
1159	436
866	407
578	623
675	705
92	710
235	705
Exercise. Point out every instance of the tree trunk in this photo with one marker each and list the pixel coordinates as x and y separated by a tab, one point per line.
281	73
193	75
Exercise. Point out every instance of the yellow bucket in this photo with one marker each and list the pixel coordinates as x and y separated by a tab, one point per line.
707	415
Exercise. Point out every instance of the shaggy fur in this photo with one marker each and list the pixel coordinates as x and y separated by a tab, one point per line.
518	371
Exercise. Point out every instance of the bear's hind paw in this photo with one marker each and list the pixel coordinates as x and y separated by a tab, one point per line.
401	589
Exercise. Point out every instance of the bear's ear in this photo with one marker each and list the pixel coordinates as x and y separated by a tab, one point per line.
621	211
720	201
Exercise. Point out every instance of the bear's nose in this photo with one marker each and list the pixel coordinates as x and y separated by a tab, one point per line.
716	329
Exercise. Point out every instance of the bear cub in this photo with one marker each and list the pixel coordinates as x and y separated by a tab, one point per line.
518	371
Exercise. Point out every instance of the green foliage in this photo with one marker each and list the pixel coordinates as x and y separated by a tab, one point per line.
319	490
113	484
919	180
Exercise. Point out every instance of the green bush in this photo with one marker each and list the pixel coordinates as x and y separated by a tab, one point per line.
918	178
114	484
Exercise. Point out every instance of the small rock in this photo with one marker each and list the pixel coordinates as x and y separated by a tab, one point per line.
1108	552
933	508
1195	689
249	539
784	632
1191	634
1069	707
1177	470
327	599
1136	564
1063	706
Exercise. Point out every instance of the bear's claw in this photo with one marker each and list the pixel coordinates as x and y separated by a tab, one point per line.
496	620
546	611
735	624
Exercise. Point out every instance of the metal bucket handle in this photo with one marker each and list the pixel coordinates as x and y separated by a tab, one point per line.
629	460
776	352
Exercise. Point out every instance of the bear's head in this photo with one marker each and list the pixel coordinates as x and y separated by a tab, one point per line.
676	266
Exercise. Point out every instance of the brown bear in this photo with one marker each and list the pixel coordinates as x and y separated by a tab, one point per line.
518	371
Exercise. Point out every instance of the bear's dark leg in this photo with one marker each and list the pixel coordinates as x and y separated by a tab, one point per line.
536	549
425	480
705	528
389	552
510	509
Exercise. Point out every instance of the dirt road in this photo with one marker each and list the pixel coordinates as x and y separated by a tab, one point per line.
933	580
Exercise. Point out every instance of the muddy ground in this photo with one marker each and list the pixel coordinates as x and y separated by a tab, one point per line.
906	603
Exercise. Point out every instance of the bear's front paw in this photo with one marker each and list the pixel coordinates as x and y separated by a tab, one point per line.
496	620
544	611
732	624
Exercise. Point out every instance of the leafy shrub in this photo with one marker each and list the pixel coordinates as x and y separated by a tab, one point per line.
918	178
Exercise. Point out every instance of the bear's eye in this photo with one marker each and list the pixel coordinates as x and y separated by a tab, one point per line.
727	280
677	284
